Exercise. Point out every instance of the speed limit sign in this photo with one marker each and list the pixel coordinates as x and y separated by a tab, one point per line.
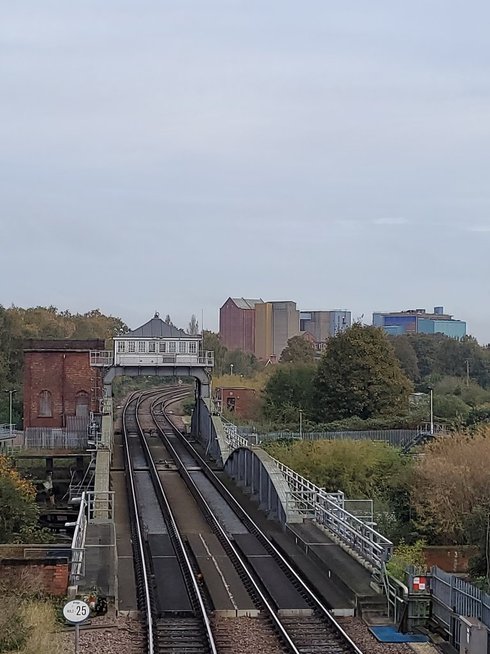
76	611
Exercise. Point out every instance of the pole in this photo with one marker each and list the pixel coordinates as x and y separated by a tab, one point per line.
301	424
77	637
431	412
11	395
467	372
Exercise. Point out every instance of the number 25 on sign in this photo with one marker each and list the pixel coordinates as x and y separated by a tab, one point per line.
76	612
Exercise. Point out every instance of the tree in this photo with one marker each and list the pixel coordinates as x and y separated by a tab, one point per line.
425	346
359	375
18	508
18	324
244	363
406	355
289	389
211	341
193	328
298	350
360	468
450	490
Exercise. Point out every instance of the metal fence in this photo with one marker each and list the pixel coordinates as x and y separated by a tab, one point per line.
453	597
395	437
44	438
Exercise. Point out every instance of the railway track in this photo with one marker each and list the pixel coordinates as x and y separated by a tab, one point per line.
315	631
176	619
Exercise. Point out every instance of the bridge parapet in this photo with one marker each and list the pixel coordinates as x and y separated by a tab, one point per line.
327	510
287	495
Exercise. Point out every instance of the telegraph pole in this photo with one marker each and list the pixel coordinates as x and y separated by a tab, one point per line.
11	395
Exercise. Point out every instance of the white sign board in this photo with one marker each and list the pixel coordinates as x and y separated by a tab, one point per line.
76	611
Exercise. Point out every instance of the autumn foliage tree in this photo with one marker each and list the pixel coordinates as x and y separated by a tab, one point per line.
18	324
18	510
451	490
359	375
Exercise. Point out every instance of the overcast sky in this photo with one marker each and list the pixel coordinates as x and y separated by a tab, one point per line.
160	155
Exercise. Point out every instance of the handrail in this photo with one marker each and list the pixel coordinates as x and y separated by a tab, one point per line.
325	508
78	541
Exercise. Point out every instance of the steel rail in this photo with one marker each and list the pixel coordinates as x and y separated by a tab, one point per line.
141	556
194	591
239	562
252	526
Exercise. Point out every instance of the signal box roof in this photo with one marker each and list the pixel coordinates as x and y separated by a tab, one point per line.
157	328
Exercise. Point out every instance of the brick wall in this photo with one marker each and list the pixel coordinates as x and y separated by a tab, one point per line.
237	327
45	575
450	558
64	373
245	401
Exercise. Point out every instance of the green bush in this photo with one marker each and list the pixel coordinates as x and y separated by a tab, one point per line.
405	555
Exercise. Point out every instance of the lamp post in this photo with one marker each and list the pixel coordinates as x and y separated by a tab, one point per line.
11	395
431	412
301	424
231	368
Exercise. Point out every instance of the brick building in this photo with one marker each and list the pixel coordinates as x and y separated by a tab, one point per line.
59	382
245	402
237	323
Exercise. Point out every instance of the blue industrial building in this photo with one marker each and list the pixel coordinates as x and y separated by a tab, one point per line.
418	321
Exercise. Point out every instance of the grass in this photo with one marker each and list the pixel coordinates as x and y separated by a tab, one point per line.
28	621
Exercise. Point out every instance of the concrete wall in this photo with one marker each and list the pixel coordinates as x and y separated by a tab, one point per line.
285	324
264	345
208	430
275	324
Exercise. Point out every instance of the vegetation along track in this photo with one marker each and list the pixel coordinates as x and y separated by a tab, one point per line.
315	633
175	617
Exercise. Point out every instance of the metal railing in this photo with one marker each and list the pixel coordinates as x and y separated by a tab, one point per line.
78	543
397	597
453	597
326	509
233	437
100	505
105	358
53	439
206	359
77	490
95	506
